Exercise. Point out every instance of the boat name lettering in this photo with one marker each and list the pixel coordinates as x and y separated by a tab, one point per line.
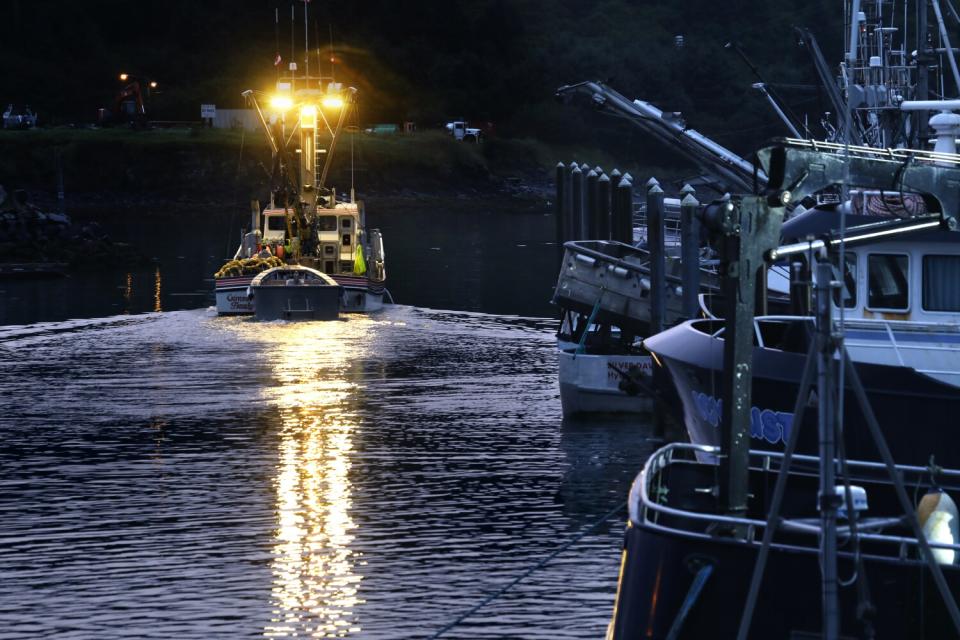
645	367
765	424
239	303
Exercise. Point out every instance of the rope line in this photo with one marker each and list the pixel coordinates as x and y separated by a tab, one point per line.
529	571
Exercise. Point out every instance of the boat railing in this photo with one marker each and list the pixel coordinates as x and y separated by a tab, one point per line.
884	335
897	155
647	503
585	254
885	331
758	321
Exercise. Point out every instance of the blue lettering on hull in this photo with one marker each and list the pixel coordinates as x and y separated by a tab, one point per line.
772	426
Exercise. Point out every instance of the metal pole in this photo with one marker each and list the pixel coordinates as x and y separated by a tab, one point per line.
591	208
576	194
689	252
658	267
749	227
559	209
946	42
923	71
827	416
625	204
568	203
584	232
615	176
603	207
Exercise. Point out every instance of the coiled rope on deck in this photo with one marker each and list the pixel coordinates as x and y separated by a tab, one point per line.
529	571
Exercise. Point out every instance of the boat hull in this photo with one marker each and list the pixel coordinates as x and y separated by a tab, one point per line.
295	292
904	401
589	383
297	303
360	294
659	566
232	299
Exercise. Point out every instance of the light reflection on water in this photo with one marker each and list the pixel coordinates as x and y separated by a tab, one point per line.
176	475
315	586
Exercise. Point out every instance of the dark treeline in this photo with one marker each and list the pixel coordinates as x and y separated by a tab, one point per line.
428	60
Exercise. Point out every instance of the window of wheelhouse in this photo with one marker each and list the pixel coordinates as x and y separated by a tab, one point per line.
849	290
941	291
888	281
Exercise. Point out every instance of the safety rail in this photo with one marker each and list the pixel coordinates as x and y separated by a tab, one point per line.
890	328
645	509
873	152
589	256
761	319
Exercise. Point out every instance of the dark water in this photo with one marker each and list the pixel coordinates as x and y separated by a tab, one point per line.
180	475
494	256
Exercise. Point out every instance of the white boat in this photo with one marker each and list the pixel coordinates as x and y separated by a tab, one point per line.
603	290
602	383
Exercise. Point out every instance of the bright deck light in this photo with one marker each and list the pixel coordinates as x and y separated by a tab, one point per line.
124	77
281	103
308	116
332	102
153	85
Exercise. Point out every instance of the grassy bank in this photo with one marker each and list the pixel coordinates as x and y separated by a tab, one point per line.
214	165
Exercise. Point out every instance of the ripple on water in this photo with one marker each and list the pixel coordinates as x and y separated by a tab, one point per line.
183	475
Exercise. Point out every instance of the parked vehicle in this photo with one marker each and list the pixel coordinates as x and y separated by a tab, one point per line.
14	118
460	131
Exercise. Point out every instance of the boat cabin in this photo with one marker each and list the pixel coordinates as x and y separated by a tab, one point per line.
338	235
907	277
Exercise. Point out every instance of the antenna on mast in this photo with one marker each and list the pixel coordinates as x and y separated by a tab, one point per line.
306	42
293	65
332	58
276	33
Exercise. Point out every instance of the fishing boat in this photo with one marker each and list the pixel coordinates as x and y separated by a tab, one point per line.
702	515
686	572
604	293
900	312
308	221
295	292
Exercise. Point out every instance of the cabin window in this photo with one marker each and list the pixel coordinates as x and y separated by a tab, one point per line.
346	239
941	291
328	250
327	223
888	281
849	291
345	223
277	223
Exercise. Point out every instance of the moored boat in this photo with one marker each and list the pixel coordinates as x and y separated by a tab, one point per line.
901	326
686	574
